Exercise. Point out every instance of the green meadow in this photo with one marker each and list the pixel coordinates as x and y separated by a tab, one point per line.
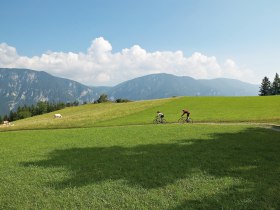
111	156
203	109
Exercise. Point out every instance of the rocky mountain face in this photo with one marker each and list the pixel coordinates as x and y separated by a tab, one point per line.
23	86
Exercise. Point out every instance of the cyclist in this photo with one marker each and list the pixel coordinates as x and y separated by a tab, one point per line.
185	111
160	116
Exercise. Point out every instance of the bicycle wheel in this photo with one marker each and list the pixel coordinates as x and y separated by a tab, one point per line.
156	121
189	120
182	120
163	121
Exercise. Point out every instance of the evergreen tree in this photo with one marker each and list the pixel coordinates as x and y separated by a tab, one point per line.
275	88
60	105
1	120
25	113
6	118
265	88
42	107
13	116
33	110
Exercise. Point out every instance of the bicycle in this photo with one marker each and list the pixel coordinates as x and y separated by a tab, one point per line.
159	120
184	119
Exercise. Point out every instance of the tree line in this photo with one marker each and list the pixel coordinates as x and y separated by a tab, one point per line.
104	98
267	88
42	107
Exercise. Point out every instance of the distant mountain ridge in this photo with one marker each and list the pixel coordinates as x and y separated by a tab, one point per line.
24	86
166	85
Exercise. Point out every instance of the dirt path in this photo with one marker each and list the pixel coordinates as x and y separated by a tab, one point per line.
274	127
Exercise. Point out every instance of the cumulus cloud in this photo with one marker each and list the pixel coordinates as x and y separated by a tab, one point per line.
232	70
8	54
100	66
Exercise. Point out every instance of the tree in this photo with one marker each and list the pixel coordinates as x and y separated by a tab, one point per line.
102	98
24	114
1	120
265	88
275	87
6	118
60	105
41	108
13	116
76	103
21	113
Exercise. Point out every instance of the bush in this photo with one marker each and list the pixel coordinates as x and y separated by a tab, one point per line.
120	100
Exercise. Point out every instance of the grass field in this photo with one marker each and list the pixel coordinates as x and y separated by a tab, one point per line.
203	109
83	165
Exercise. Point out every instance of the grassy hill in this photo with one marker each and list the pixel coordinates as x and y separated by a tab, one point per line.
209	109
90	163
203	109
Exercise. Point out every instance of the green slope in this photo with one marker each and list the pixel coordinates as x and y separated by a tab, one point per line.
84	116
203	109
210	109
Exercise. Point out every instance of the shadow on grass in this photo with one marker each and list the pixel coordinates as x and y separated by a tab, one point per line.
251	156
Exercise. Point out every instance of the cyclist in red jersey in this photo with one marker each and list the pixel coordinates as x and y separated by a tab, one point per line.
185	111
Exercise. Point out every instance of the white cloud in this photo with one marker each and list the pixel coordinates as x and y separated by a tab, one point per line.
7	54
99	66
232	70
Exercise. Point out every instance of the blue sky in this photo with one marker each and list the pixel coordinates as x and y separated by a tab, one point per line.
220	38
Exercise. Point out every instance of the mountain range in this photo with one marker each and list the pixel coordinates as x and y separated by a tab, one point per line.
24	86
